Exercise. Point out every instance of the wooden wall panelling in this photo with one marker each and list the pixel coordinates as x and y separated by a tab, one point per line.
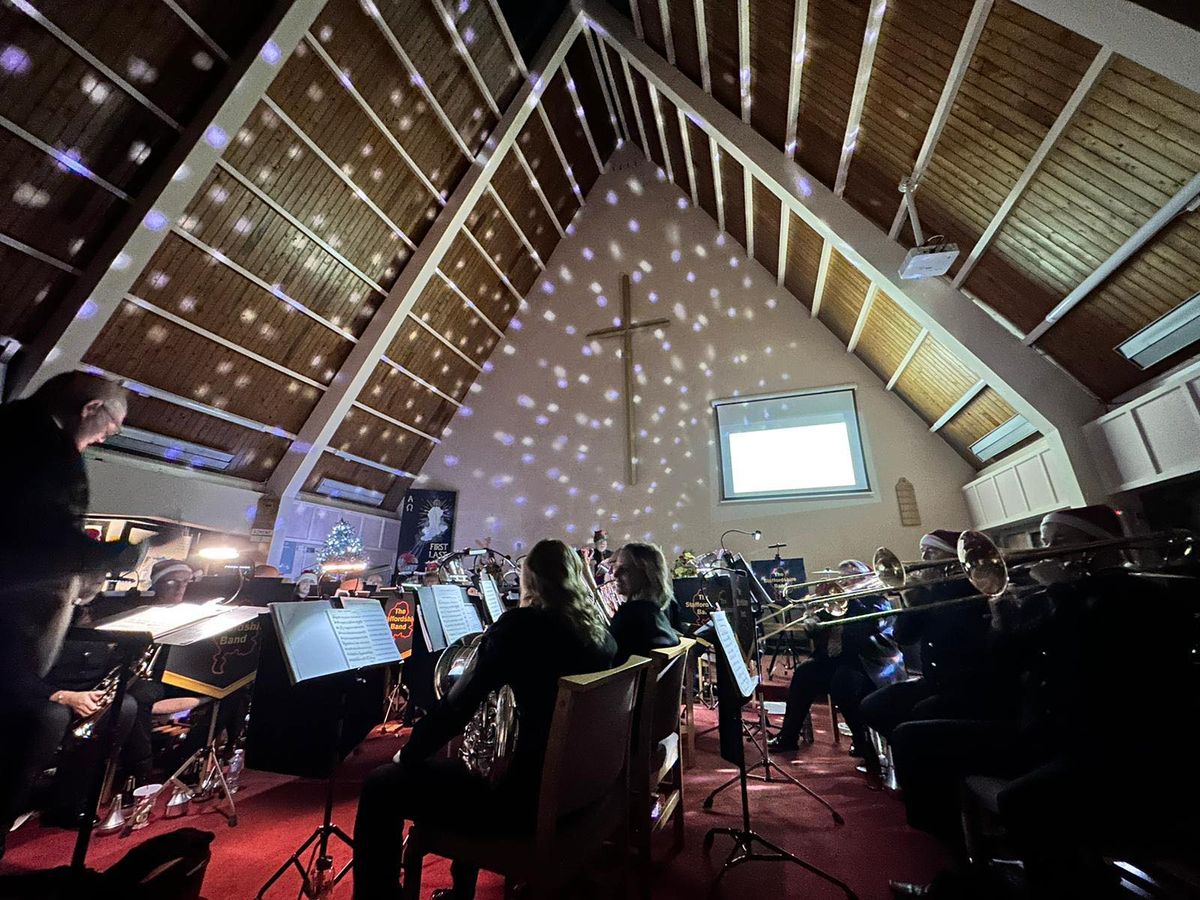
933	380
407	401
803	260
683	37
485	42
55	95
160	65
186	282
766	226
623	97
1020	78
917	45
315	100
670	117
330	466
31	288
255	453
651	21
522	201
702	166
52	210
371	437
560	109
1154	281
887	336
733	189
502	243
276	161
230	219
466	267
591	96
845	292
428	358
445	313
1113	168
835	36
982	415
414	24
357	47
138	345
770	68
641	91
721	22
543	160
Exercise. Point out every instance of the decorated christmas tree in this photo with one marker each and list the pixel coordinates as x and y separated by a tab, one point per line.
342	548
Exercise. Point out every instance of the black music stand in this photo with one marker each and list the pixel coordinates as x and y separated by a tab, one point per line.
319	641
771	771
734	687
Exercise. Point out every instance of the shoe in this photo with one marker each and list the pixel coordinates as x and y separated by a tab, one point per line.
780	745
909	889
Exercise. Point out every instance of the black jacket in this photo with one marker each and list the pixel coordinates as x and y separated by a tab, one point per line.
528	649
954	640
639	627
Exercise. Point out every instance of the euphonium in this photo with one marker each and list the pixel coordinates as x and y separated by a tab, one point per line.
491	736
85	728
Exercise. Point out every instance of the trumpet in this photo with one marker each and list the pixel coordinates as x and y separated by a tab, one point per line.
85	728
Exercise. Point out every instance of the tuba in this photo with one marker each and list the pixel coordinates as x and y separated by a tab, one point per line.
85	728
491	736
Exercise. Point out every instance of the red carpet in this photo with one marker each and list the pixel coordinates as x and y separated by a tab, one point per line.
277	812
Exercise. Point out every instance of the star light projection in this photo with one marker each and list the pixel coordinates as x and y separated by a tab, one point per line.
559	436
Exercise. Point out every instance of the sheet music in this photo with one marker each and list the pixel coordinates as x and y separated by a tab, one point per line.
159	620
363	634
227	620
733	653
307	639
458	617
491	597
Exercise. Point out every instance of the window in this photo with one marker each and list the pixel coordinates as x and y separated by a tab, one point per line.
796	445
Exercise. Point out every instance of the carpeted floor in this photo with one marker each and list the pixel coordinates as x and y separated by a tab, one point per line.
277	812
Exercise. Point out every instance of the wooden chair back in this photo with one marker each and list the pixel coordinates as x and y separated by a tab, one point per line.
669	671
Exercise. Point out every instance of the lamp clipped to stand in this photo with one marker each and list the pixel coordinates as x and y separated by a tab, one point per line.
735	686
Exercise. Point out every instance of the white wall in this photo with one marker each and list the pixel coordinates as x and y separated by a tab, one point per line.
540	450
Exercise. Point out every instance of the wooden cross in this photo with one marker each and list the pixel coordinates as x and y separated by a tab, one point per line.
625	331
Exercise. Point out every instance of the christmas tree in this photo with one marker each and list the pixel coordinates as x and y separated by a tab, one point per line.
342	547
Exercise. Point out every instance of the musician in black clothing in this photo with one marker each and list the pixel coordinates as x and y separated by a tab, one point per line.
847	663
643	622
557	631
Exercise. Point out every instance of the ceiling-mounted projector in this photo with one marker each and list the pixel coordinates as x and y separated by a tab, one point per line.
929	260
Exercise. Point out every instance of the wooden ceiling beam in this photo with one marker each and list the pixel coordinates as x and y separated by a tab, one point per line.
1186	199
799	39
744	56
1048	397
1094	73
194	26
611	103
861	322
85	309
958	405
702	46
22	247
664	14
748	199
537	189
687	157
907	358
662	132
509	41
636	14
637	112
941	114
63	160
582	117
445	341
822	276
784	225
862	81
714	153
559	152
599	51
315	434
391	363
392	420
516	226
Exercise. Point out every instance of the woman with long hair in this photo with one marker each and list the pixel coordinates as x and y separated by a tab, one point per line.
643	622
557	630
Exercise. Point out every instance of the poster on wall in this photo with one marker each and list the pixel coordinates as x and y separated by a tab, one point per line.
426	527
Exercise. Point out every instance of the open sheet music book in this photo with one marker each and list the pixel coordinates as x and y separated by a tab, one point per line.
491	597
181	624
319	640
447	615
733	654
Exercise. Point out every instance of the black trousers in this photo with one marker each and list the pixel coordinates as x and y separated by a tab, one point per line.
845	681
920	700
438	792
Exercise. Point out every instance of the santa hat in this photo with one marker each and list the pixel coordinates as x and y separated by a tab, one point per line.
944	540
854	567
599	535
1100	522
175	569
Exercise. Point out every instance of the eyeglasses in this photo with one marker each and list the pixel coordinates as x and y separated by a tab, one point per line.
114	426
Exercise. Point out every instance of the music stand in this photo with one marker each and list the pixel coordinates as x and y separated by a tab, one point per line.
318	641
735	686
768	766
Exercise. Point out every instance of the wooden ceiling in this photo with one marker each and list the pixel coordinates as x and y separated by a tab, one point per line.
1037	151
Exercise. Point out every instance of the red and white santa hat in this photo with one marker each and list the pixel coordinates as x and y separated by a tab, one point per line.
942	539
1101	522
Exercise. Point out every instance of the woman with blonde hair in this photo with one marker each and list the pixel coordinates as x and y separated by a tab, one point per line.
643	621
557	630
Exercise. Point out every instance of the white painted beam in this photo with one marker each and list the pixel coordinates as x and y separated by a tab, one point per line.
559	152
314	435
744	56
862	81
506	32
861	322
582	117
662	133
537	189
958	405
1093	74
799	40
822	274
664	15
702	46
217	50
137	235
784	226
907	358
637	111
714	153
22	247
598	52
941	114
748	199
687	156
611	103
636	14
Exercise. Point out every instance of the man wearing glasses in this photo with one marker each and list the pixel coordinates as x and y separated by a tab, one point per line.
47	561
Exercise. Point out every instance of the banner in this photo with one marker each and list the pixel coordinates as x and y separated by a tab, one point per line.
426	527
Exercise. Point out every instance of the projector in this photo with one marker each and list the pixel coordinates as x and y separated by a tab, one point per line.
929	261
